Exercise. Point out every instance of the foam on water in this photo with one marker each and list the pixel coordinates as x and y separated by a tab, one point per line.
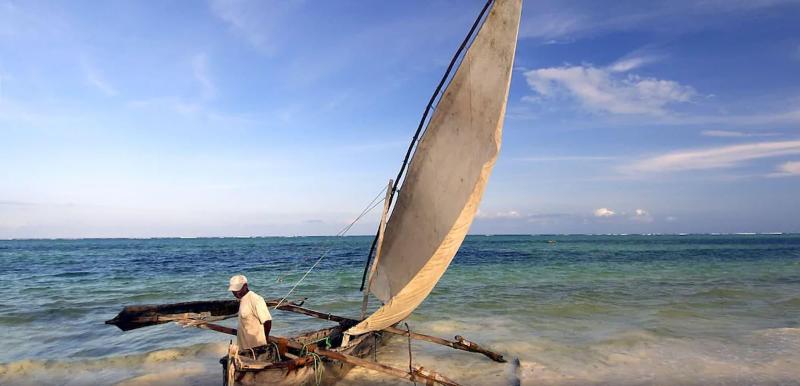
632	357
621	310
180	365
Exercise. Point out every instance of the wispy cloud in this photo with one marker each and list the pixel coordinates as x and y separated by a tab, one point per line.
551	26
791	168
736	134
635	60
566	158
200	71
609	89
98	81
255	21
511	214
715	157
173	104
554	20
790	115
3	77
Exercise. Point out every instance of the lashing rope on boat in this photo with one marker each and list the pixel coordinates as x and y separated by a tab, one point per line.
375	201
277	351
233	362
319	368
410	367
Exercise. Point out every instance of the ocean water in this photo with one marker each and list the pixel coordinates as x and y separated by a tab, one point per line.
706	309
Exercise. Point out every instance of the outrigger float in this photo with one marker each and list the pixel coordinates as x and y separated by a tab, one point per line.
417	238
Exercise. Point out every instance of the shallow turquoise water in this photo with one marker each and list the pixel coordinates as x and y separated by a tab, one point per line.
719	309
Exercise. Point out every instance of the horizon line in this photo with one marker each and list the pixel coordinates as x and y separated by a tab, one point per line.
369	235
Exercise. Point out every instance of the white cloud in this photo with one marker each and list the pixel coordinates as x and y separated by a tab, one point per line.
791	168
716	157
608	89
641	215
200	71
604	212
734	134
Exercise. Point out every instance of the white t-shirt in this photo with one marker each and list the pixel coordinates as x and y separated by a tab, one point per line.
253	313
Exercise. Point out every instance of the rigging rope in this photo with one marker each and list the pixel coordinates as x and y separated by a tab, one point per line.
372	204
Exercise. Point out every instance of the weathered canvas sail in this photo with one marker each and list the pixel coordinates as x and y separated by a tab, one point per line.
448	173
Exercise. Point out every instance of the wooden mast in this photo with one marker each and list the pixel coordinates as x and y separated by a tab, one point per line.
381	229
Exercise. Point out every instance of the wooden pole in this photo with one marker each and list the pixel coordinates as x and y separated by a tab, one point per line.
460	343
316	314
381	230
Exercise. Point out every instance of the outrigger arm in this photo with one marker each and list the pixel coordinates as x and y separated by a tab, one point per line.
459	343
199	314
133	317
418	374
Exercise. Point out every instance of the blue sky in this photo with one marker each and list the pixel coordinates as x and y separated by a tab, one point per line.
240	118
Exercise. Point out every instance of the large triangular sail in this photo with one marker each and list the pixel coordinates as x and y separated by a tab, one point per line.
448	173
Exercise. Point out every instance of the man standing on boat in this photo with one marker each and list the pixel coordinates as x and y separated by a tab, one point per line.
255	322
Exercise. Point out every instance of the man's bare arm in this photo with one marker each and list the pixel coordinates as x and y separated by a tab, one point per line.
267	328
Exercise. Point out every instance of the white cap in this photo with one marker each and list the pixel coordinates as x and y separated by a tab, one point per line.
237	282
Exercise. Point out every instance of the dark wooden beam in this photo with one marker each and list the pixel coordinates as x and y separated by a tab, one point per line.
138	316
419	375
460	343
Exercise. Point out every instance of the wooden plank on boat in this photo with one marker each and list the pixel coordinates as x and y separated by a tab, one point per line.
247	364
138	316
415	376
418	375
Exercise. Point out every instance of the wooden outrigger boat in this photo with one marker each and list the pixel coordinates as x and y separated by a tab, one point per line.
295	360
416	240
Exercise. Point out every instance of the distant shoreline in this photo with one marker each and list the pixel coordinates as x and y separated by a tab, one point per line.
469	235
